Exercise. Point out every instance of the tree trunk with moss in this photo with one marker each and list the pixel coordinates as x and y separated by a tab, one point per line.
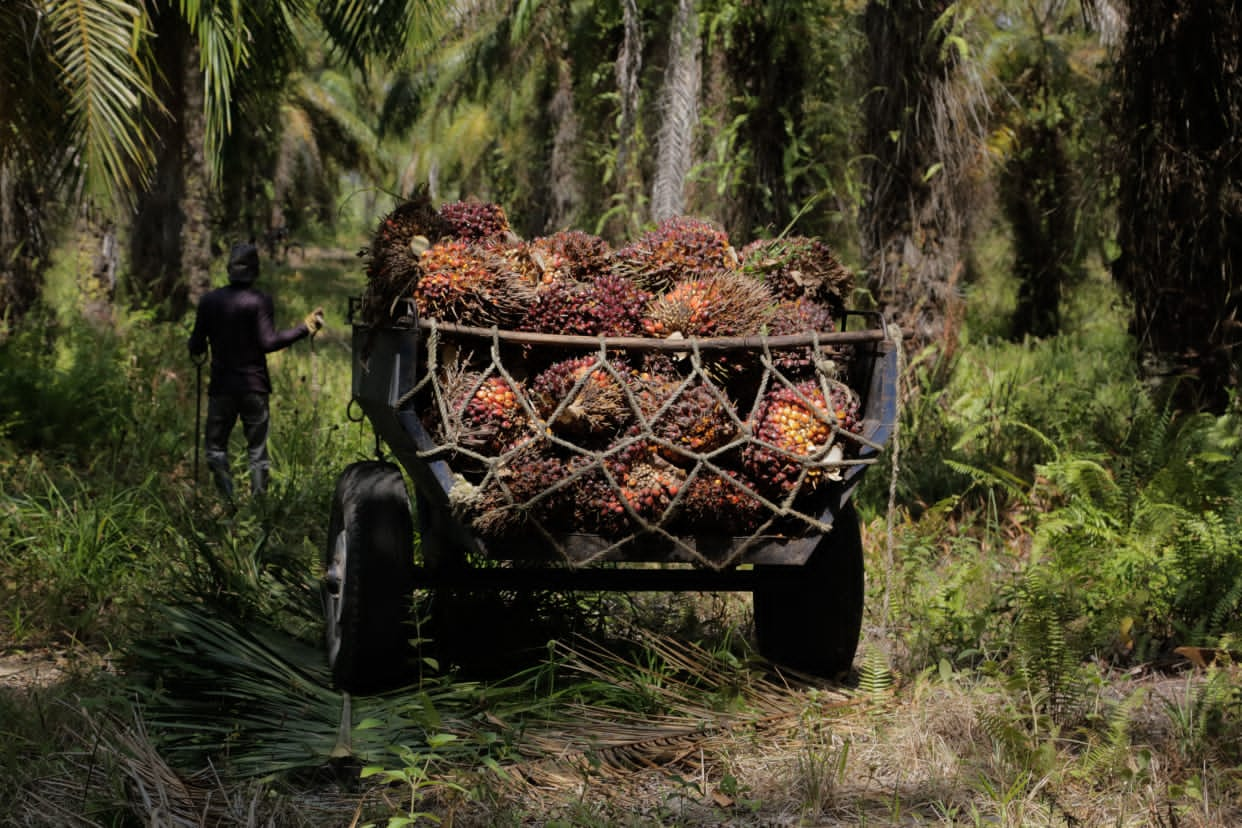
1180	77
920	130
170	241
23	246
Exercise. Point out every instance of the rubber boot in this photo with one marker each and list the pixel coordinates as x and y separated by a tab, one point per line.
258	481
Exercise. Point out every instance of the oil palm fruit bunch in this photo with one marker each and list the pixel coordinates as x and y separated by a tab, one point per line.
507	499
649	487
457	284
571	254
721	304
492	417
678	248
392	259
580	398
721	503
475	220
696	422
795	316
594	503
798	424
609	306
799	266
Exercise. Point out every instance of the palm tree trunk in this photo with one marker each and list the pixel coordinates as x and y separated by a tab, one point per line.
920	127
679	100
1181	194
170	243
23	245
96	266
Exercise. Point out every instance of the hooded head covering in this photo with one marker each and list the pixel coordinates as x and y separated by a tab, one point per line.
243	263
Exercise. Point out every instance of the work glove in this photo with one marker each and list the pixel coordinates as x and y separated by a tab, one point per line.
314	321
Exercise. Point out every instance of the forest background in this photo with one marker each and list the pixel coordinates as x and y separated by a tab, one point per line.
1044	195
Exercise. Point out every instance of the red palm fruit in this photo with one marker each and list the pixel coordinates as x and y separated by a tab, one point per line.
597	407
571	255
798	266
795	316
458	285
678	248
798	430
475	220
723	304
718	504
493	418
512	496
649	487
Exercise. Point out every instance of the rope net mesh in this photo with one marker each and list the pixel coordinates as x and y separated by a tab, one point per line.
603	449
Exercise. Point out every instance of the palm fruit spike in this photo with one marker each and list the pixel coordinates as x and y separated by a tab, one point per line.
492	418
475	220
571	254
457	285
526	475
795	316
697	422
678	248
723	304
797	431
799	266
717	504
597	408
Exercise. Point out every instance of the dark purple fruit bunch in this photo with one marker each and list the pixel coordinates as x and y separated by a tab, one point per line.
696	422
515	494
798	266
609	306
475	221
796	316
719	504
678	248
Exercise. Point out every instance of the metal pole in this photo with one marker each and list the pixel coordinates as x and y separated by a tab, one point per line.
198	410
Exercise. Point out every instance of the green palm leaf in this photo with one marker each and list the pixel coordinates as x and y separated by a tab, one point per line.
96	47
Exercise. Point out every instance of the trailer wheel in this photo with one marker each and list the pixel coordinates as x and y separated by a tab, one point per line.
809	617
368	580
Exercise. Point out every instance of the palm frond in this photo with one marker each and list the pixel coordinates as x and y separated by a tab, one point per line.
108	86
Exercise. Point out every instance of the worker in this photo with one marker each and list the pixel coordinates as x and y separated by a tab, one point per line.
236	322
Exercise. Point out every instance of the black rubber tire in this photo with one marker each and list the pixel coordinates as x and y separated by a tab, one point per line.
809	618
369	579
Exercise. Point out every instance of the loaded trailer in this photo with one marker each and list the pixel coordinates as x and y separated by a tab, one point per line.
552	508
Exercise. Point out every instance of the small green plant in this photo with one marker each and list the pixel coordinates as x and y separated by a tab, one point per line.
413	774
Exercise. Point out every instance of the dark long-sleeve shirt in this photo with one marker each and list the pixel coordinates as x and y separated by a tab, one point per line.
236	320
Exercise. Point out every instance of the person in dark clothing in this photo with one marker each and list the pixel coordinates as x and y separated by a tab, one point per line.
236	322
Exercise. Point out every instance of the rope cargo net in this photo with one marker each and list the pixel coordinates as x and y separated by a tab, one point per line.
634	446
657	393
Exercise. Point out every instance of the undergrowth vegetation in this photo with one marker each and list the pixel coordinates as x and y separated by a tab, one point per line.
1054	529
